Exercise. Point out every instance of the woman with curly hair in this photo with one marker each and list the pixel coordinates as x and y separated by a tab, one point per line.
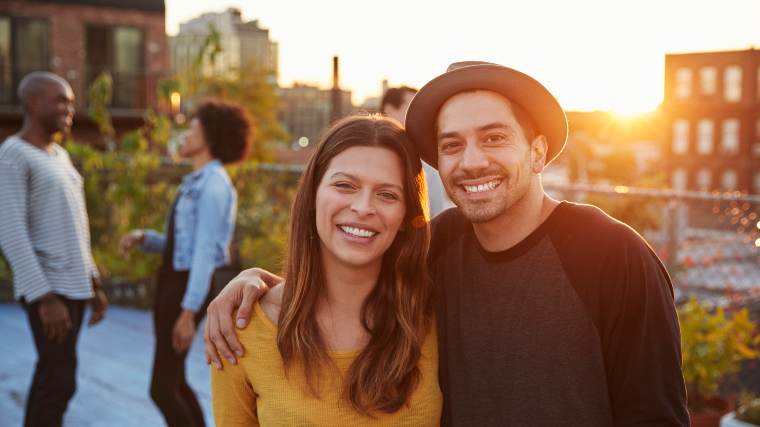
196	242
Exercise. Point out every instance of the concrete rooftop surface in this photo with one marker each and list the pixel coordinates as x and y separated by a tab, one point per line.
113	375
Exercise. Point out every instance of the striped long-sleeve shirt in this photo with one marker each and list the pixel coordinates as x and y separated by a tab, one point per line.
44	231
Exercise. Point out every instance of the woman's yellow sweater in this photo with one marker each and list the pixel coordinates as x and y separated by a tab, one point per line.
256	392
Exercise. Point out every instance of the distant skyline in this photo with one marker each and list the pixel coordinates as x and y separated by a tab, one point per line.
592	54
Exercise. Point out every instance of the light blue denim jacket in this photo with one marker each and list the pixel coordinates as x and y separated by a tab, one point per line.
204	221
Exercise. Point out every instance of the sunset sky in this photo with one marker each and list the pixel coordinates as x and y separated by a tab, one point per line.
592	54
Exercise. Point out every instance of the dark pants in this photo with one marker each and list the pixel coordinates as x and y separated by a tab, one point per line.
54	380
169	388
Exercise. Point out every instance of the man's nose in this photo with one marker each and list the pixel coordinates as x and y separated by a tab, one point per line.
473	158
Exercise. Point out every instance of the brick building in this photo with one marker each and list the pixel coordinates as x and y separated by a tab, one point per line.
79	39
712	120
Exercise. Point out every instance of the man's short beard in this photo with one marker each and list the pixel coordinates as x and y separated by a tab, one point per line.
479	214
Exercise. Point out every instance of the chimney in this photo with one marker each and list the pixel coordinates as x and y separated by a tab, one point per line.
335	99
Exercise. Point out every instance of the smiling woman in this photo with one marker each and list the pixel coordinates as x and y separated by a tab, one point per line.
349	338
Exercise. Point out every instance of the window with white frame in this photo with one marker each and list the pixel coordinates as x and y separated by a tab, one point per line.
704	179
680	136
730	140
683	83
732	83
729	180
708	77
705	136
679	179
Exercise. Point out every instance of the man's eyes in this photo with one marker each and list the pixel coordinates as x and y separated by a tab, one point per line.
449	145
495	139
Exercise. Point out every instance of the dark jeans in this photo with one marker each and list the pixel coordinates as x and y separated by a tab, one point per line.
169	388
54	380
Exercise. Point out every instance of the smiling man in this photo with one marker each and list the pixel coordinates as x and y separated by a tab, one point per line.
45	236
549	313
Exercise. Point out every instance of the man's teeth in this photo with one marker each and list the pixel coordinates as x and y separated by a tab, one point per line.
358	232
481	187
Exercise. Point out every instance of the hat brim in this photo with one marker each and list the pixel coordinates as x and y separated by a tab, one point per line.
532	96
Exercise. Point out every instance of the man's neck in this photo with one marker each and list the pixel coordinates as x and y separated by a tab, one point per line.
35	135
517	222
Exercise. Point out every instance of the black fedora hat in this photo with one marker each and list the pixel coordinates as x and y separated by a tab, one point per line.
529	94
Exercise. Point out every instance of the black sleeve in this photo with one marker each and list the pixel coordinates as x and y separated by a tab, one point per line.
629	296
447	227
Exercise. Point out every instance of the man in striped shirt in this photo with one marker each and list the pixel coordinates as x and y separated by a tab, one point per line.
44	235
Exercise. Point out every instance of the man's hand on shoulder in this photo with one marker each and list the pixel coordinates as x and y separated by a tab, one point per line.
242	292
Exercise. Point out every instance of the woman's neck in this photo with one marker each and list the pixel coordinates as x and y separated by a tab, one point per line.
347	287
201	159
340	309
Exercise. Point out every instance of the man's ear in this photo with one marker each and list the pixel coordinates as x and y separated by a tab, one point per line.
538	149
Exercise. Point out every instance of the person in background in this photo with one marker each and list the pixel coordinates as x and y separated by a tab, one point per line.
45	236
394	104
198	234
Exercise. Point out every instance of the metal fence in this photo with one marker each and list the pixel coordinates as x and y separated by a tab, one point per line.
709	241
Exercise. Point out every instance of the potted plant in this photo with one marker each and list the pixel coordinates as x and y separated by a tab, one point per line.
713	345
747	413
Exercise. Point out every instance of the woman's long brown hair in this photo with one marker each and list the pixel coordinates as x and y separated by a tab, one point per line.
397	313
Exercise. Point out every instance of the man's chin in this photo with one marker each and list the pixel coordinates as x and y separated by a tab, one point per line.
477	214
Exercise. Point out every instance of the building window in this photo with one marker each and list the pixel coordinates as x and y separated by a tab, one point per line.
730	140
679	179
732	83
680	136
708	80
23	49
705	136
704	179
683	83
119	52
729	180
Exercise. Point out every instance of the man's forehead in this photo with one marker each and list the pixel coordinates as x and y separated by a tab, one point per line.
55	88
474	107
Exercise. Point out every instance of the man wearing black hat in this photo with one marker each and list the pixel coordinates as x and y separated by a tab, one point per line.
549	313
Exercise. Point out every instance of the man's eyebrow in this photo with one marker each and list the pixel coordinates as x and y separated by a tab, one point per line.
494	125
486	127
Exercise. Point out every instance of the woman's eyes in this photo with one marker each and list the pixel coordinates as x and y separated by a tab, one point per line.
347	186
388	195
344	185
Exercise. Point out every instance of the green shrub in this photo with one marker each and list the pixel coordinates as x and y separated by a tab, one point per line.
713	344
